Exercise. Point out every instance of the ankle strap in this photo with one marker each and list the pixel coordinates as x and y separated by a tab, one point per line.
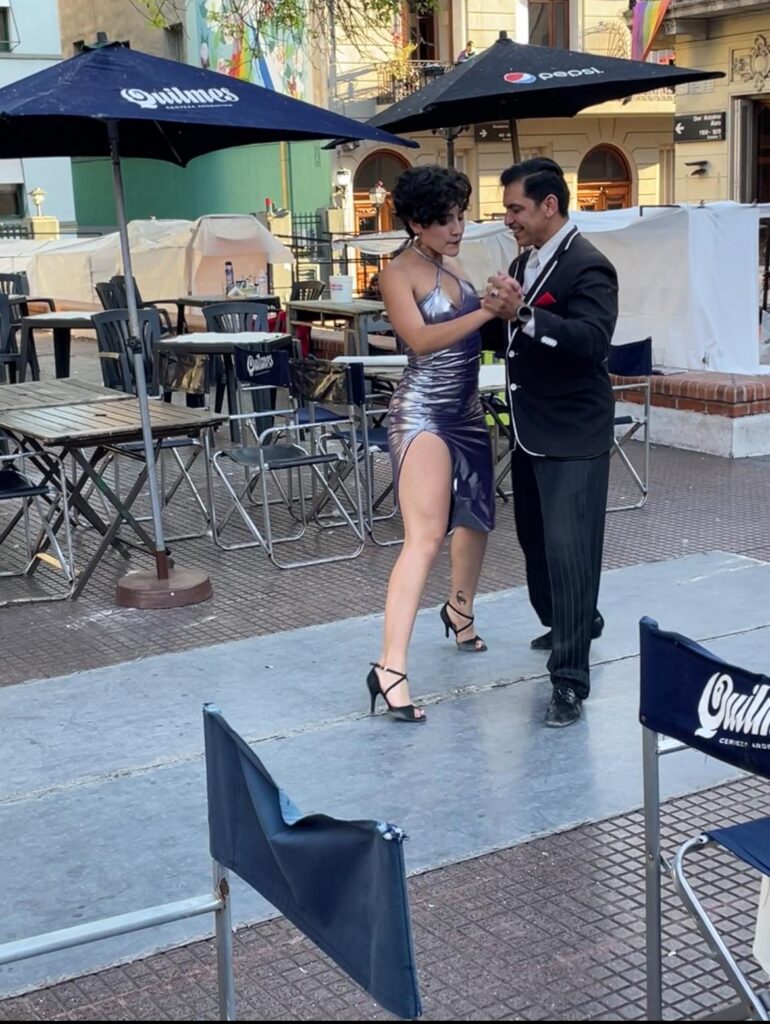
402	676
457	611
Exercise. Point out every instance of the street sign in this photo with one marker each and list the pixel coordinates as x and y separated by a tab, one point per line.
493	131
699	127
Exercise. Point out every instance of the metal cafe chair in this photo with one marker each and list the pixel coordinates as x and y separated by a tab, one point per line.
48	497
632	360
689	698
289	455
117	364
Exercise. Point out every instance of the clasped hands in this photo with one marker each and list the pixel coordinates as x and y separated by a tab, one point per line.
503	296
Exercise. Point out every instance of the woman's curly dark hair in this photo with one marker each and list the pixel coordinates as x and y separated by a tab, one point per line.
425	195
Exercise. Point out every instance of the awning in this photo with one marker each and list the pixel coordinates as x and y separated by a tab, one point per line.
11	171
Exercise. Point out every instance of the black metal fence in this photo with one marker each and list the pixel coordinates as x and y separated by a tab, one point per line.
14	229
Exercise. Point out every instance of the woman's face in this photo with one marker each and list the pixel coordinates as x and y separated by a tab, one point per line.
443	239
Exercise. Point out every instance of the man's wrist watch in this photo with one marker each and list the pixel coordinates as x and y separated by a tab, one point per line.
524	313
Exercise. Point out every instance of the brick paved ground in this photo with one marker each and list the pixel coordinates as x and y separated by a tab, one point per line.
550	929
697	503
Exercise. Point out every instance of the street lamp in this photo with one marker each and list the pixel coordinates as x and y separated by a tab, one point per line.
377	196
37	195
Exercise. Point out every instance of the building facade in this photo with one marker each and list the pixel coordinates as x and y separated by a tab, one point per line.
240	180
30	42
615	155
722	127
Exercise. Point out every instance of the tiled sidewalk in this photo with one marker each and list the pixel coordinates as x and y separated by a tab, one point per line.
548	930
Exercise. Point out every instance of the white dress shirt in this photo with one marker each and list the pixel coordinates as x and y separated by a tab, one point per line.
536	260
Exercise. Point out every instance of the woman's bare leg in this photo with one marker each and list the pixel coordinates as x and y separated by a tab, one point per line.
424	494
468	547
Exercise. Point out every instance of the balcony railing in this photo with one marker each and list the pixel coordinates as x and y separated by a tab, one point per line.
612	38
395	80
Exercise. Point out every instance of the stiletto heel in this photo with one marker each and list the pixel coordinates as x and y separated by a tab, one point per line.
475	645
403	712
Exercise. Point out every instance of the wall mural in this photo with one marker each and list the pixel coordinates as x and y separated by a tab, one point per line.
226	44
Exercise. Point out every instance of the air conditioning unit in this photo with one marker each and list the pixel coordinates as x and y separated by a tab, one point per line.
332	220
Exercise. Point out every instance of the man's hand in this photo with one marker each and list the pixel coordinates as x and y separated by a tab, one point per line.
503	296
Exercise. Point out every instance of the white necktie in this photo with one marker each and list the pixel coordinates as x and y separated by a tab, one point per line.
532	270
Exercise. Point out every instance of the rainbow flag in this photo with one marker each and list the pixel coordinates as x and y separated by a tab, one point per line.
646	19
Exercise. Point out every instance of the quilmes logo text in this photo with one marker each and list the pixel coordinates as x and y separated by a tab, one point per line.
258	364
721	708
173	97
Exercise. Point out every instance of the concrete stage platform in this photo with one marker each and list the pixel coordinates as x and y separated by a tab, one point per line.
102	791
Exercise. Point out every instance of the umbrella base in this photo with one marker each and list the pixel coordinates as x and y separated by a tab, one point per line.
145	590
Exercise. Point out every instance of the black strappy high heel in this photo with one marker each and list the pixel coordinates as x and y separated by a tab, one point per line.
402	713
473	646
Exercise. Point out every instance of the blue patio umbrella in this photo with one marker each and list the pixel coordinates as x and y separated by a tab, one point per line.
114	101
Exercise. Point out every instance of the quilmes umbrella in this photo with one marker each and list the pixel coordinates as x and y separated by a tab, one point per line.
113	101
510	80
343	883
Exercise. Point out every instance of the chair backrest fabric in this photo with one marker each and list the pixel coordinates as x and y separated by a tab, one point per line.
321	380
262	369
633	359
689	694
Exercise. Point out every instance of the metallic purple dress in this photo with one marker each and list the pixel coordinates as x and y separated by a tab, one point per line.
439	393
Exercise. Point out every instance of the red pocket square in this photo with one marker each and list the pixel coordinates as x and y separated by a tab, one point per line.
546	299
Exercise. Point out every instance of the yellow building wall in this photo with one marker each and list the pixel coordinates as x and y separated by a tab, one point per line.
82	19
727	38
641	129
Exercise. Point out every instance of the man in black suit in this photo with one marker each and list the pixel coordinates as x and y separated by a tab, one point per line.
559	304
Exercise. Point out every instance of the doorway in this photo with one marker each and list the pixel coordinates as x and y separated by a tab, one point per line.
604	180
380	166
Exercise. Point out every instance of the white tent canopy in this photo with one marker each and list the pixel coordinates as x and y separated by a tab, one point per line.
688	276
170	258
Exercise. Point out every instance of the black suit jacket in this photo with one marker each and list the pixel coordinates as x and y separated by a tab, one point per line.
559	392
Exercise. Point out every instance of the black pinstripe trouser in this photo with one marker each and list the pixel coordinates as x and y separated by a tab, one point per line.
559	508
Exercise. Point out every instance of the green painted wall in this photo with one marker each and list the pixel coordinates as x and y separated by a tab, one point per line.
228	181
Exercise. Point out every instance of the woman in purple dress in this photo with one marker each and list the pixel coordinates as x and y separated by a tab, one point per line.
439	441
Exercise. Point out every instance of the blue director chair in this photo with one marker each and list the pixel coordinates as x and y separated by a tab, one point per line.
690	696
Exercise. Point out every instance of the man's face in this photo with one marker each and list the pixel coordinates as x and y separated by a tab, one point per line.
531	223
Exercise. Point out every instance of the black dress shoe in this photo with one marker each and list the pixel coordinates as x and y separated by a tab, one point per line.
565	708
545	642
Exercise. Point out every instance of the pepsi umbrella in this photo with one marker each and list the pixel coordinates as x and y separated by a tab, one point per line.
510	80
114	101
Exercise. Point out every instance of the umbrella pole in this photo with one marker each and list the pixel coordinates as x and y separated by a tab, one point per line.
515	140
166	588
450	148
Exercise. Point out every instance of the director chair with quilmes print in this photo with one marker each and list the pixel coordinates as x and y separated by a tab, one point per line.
689	698
290	456
632	360
371	407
